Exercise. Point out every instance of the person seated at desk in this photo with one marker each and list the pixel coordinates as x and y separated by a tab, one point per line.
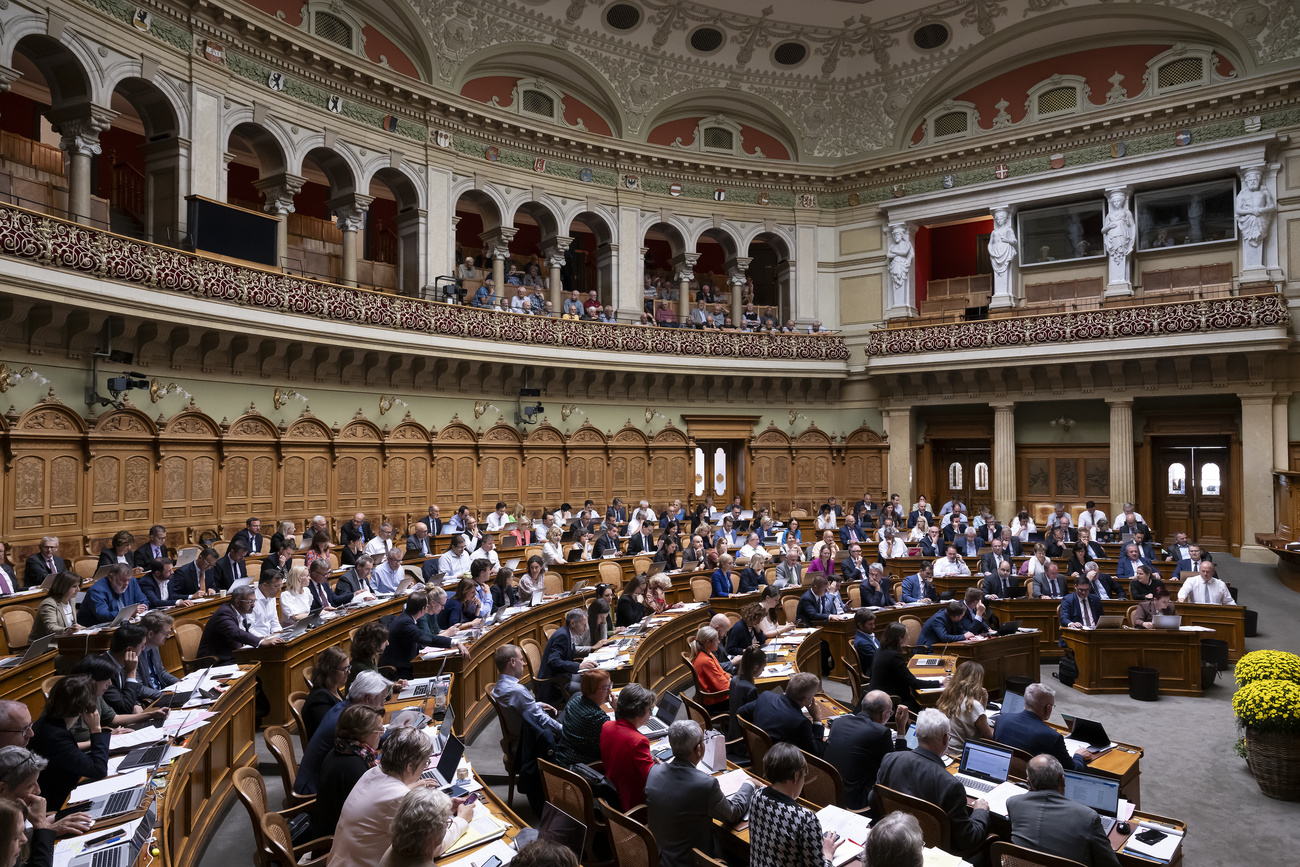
827	541
388	574
790	570
118	550
1144	583
725	532
895	839
791	535
708	670
1057	542
1128	563
682	802
889	671
1001	584
874	589
815	606
352	551
462	609
195	580
153	549
1081	610
950	564
418	838
963	701
355	751
642	541
741	691
752	577
228	629
607	542
329	674
126	691
599	622
892	545
109	595
1029	731
624	750
367	645
854	568
823	563
515	699
781	715
859	742
296	598
745	633
152	674
369	688
419	543
584	717
1103	586
230	568
1147	609
920	587
865	643
993	558
1192	562
721	579
978	619
921	774
669	552
1143	545
72	700
404	641
932	544
1048	583
770	599
505	590
1206	588
56	613
782	832
850	533
278	560
323	597
560	665
265	619
968	543
1046	821
945	626
454	562
533	577
553	549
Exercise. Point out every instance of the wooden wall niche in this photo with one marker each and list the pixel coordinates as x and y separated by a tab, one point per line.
801	473
47	478
1070	474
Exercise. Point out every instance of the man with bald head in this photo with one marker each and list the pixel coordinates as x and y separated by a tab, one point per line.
418	542
15	723
858	742
1047	821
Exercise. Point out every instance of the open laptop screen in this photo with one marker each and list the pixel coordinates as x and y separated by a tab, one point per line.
987	762
1100	793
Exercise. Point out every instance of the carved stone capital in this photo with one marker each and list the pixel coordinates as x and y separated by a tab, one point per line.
79	127
496	243
350	211
278	191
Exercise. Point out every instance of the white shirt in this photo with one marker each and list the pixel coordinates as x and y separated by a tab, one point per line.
817	550
1089	519
164	591
496	521
384	579
1022	531
898	549
490	556
295	603
962	518
452	566
746	552
1213	592
1064	521
553	552
826	522
378	546
365	828
264	620
943	566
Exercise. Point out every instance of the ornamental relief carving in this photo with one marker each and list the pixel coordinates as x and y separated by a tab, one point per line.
137	479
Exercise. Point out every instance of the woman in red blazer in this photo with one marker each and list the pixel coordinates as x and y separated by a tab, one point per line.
708	671
624	751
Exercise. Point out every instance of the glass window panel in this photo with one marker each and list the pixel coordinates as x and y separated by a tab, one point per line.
1210	480
1196	214
699	472
1177	479
1061	234
719	472
981	476
954	476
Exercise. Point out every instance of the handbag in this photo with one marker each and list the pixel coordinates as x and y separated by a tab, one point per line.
601	787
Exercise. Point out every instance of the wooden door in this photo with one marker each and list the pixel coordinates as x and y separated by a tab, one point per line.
964	472
720	468
1192	485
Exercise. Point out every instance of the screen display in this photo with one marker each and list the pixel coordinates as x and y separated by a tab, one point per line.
987	762
1100	793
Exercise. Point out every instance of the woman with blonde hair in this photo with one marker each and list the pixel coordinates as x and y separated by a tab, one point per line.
295	598
919	532
657	596
963	701
553	550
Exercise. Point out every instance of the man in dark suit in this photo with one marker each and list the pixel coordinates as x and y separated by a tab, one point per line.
8	580
781	716
921	774
607	542
194	579
159	586
1081	610
990	560
1029	731
1131	558
153	549
851	533
642	541
434	521
956	526
865	643
231	567
1047	821
46	561
945	626
854	569
968	543
559	658
1192	563
251	536
1001	584
322	596
617	512
814	608
404	635
1104	586
860	741
152	674
358	527
419	543
1011	544
933	543
922	510
875	590
227	629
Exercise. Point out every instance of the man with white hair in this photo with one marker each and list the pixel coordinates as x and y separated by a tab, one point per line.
383	542
921	774
722	625
318	525
46	561
682	801
1047	821
1029	731
369	688
895	840
388	575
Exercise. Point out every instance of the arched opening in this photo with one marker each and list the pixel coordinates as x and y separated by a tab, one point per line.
532	243
719	268
669	275
769	281
477	221
138	170
326	220
257	178
590	262
394	225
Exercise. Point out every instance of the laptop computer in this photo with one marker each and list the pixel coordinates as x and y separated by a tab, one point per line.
115	849
538	596
39	647
1089	731
116	803
1100	793
1167	621
422	687
655	569
982	768
663	717
302	626
445	729
1009	628
444	773
577	588
574	555
146	756
1111	621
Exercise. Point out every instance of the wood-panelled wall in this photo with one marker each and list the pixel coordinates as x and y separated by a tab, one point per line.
1070	474
84	479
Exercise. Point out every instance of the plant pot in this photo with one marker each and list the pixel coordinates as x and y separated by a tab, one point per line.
1274	760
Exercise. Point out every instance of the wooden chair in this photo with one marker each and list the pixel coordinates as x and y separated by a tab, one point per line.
281	746
824	786
632	842
275	830
732	618
552	583
531	551
758	741
1128	616
251	790
1004	854
914	626
573	795
549	629
188	636
508	743
855	595
799	513
296	701
703	696
17	624
735	582
48	683
611	574
642	563
702	860
532	649
701	589
86	567
897	590
790	605
221	546
697	714
935	828
855	678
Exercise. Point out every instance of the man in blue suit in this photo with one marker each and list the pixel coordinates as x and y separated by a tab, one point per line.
781	716
1081	610
109	595
920	587
559	658
945	626
1131	559
1029	731
864	640
814	608
851	533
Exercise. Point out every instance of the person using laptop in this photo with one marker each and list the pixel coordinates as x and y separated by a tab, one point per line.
109	595
1148	609
920	773
194	579
231	567
418	544
404	642
73	699
1029	731
455	561
1047	821
227	629
945	626
623	749
150	671
1081	610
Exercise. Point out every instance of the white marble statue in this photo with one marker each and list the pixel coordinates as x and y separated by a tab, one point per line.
1255	210
1002	252
900	257
1119	235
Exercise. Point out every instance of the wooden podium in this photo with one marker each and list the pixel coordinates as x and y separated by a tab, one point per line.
1105	655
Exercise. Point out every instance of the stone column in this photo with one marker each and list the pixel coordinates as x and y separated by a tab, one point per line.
554	248
736	269
1257	476
684	273
350	215
411	230
1281	432
496	244
1121	453
1004	253
79	128
899	426
1119	237
607	269
1004	460
900	272
278	191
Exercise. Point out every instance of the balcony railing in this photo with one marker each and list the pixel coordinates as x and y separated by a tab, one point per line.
57	243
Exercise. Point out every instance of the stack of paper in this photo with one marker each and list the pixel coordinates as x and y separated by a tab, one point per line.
1161	849
108	786
998	795
139	737
940	858
785	669
851	828
482	828
731	781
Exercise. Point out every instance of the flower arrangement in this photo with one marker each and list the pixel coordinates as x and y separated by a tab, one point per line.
1267	665
1268	706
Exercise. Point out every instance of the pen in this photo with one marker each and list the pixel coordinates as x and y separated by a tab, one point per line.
104	841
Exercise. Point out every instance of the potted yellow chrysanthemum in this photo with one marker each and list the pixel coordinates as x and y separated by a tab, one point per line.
1267	706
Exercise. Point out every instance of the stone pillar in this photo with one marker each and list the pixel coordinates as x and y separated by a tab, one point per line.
1256	213
1004	460
1004	254
350	215
224	193
496	245
1121	453
411	229
736	269
79	128
1119	237
684	273
607	269
554	248
900	272
1257	476
1281	432
278	191
900	428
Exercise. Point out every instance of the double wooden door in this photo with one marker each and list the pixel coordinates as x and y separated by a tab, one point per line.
1192	492
964	472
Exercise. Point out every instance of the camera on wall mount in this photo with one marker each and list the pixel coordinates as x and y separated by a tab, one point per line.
117	385
530	406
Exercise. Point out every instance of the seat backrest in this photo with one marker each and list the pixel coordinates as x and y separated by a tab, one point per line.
913	626
790	605
642	562
690	666
548	630
701	589
798	513
220	547
855	677
532	649
758	741
188	636
17	623
296	701
281	746
531	551
611	574
1004	854
935	828
632	842
823	785
86	567
278	838
696	712
855	595
1128	615
897	590
569	792
48	683
251	790
508	738
552	583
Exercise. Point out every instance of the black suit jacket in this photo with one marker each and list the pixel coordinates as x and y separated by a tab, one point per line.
933	548
921	774
602	545
153	594
108	558
404	643
557	660
144	556
856	746
993	585
348	532
890	675
989	563
67	765
226	571
810	610
423	546
435	525
314	708
916	514
36	571
186	581
321	590
253	541
224	634
784	723
1049	822
346	588
122	695
641	543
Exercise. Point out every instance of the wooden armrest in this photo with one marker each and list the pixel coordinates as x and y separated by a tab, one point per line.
640	813
296	808
320	845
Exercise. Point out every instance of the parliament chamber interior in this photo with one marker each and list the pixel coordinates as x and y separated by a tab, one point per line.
914	484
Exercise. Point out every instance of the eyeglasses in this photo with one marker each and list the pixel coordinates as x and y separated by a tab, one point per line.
20	731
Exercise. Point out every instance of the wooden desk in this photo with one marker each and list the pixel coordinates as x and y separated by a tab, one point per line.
284	664
74	647
1105	655
1002	657
839	634
23	682
1041	614
1227	621
807	656
657	659
200	783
